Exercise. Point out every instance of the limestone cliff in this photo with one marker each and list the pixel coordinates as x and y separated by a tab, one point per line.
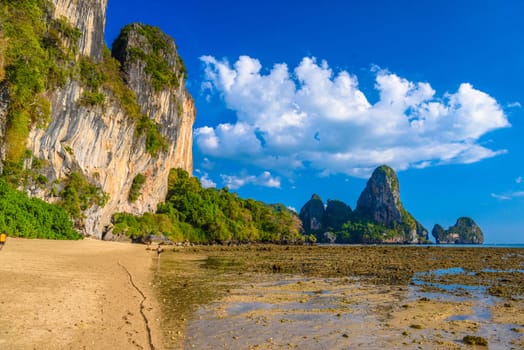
465	231
312	215
110	126
380	203
337	213
89	16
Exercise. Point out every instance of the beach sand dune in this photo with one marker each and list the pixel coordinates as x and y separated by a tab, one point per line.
84	294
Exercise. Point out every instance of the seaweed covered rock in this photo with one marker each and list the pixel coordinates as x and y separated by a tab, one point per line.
465	231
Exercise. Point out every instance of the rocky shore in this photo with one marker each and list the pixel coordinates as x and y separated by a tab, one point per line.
272	297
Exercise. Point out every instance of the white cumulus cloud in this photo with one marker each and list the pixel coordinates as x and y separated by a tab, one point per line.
313	116
207	182
265	180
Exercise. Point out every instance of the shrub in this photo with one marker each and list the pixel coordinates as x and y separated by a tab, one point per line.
21	216
136	187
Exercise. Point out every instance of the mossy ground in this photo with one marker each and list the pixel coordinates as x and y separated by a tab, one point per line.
192	276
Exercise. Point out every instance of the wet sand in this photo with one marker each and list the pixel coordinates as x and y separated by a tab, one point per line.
84	294
240	298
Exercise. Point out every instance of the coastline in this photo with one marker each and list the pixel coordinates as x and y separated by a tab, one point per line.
77	294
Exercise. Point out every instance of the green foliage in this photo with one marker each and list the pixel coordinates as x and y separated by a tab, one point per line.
155	54
63	26
78	195
361	232
17	175
34	59
105	75
136	187
155	142
92	74
32	218
91	99
194	213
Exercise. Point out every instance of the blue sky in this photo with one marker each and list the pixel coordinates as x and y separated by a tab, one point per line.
302	97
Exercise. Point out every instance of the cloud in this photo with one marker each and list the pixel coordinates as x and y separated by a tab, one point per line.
207	182
265	180
317	118
508	196
519	179
515	104
501	197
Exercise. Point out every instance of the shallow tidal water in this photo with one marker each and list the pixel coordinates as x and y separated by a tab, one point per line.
214	301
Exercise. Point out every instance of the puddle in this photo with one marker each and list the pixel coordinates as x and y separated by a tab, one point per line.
499	335
240	308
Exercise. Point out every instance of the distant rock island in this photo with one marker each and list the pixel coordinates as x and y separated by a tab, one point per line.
465	231
379	217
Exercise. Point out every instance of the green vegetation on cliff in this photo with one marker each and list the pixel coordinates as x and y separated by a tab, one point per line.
21	216
78	195
38	55
35	59
465	231
136	187
379	216
196	214
155	52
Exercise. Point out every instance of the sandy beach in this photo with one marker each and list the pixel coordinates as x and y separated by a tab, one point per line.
84	294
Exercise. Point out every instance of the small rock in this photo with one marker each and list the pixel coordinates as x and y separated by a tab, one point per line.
475	340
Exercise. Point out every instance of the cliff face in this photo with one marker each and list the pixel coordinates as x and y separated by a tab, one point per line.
337	213
90	18
380	200
101	141
380	203
465	231
166	102
379	216
312	215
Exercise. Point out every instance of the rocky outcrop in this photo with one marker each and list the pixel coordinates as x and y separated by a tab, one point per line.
337	213
380	203
103	142
380	200
465	231
312	215
170	105
379	216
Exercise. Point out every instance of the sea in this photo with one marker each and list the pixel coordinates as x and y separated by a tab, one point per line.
487	245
